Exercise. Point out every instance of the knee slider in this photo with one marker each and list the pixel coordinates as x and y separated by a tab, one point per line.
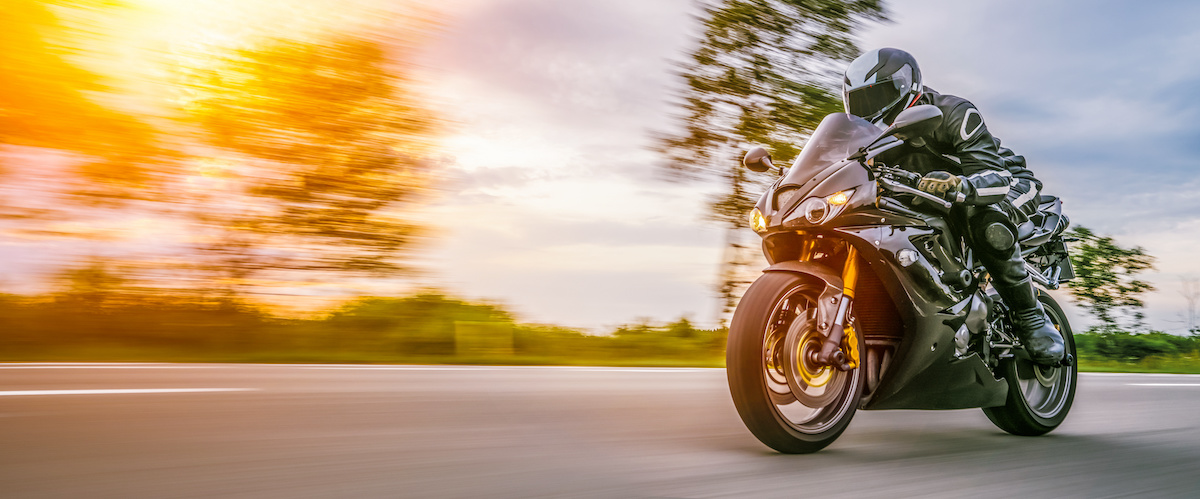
998	236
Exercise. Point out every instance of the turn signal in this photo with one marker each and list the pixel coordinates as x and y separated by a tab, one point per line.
839	198
757	221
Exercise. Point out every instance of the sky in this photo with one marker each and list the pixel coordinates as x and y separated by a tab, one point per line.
556	207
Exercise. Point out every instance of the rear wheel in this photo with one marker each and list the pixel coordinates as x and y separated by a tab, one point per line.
1039	397
788	402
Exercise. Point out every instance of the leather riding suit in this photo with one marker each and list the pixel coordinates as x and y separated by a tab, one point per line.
997	187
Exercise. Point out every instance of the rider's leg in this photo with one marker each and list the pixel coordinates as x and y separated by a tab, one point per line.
995	242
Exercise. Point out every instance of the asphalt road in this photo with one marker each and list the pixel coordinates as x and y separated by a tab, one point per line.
411	431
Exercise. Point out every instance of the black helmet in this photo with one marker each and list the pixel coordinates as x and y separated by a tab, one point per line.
881	83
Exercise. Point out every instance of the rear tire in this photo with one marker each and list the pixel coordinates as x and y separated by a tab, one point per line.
1039	398
779	306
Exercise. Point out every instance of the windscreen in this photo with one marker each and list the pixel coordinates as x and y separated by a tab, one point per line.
839	135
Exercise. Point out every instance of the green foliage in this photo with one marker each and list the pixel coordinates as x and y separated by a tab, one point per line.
417	325
1105	280
98	318
1121	345
678	340
765	72
1109	350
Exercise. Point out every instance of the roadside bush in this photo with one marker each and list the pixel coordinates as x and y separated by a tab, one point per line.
1125	346
419	328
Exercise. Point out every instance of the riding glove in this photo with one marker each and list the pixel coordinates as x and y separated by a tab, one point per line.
944	185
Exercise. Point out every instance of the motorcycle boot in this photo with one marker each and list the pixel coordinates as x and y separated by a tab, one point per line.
1043	342
992	234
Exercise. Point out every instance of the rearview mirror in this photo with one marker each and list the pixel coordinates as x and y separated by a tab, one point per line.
758	160
916	121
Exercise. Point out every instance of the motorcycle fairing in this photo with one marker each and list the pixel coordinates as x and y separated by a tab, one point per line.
925	373
821	169
827	303
781	203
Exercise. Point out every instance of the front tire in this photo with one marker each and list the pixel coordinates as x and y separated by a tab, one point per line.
1039	398
790	405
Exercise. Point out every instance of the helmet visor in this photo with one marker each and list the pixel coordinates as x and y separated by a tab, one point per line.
870	101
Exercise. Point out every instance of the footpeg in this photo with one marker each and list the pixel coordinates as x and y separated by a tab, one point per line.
960	279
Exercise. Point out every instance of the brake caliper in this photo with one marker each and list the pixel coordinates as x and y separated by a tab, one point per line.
850	346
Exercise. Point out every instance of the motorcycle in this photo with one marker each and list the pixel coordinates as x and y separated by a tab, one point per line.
873	299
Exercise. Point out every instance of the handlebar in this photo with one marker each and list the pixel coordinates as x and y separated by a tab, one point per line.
910	178
882	173
904	189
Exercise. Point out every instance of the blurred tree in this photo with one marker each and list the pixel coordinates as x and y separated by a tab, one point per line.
330	144
91	285
765	73
420	324
1191	294
48	100
1104	277
681	329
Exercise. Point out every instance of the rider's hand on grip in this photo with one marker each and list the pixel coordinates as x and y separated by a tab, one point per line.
944	185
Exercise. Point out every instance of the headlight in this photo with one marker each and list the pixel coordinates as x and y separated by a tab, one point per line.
757	221
819	210
814	210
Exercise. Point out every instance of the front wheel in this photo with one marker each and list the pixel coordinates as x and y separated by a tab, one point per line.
1039	397
788	402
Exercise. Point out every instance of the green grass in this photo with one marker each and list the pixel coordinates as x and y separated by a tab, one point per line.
1175	364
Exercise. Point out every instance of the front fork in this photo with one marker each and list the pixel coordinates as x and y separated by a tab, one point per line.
831	352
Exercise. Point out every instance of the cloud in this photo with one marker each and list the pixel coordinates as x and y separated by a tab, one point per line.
580	72
556	99
1098	96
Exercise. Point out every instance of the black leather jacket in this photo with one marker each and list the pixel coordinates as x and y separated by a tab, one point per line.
963	146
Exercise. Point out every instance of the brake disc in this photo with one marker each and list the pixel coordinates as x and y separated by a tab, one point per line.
813	384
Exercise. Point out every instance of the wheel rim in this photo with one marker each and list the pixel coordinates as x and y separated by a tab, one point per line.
1045	389
809	398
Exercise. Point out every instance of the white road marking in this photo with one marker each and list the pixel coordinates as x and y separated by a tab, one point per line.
102	367
1140	375
83	365
121	391
1162	384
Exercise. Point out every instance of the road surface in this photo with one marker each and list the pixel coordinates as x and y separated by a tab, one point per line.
180	430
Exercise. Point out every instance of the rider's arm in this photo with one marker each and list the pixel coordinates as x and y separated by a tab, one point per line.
1025	187
984	174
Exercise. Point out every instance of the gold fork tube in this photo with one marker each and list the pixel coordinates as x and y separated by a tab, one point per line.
849	281
850	271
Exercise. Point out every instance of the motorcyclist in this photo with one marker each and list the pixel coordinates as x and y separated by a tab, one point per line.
962	162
